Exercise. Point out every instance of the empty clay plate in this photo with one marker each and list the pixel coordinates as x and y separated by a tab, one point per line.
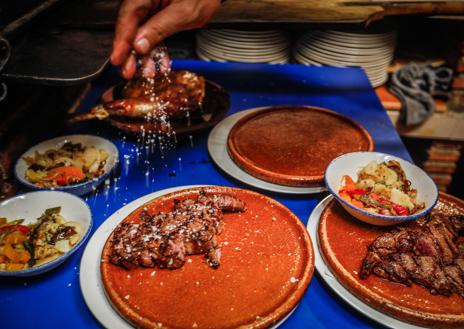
292	145
266	265
344	242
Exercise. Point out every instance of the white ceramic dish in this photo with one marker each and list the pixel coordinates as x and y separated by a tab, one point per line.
341	61
207	56
31	206
246	41
56	143
90	277
329	279
354	58
339	47
351	163
202	42
217	148
238	41
355	42
234	54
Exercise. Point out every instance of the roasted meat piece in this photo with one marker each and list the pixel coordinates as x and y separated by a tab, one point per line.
165	239
429	252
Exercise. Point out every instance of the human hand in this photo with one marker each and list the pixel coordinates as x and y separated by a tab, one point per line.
142	24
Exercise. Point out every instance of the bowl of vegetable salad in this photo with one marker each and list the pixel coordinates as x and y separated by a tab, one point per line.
379	188
40	230
75	163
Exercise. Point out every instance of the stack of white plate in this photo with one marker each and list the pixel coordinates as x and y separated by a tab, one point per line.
269	46
373	51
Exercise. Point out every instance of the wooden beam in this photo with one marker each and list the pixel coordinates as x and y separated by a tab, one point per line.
328	11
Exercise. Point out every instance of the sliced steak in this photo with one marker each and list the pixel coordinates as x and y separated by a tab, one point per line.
429	252
165	239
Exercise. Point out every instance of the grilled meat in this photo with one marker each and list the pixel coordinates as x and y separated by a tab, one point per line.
182	95
181	92
165	239
429	252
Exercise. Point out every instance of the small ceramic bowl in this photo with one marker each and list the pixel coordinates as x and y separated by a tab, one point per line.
31	205
56	143
350	163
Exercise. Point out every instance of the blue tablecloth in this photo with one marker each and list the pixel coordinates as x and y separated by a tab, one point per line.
54	300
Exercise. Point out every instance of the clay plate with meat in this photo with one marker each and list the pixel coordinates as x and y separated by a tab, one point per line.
412	272
251	267
292	145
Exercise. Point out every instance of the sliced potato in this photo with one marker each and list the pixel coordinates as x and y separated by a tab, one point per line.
401	198
90	156
63	246
366	184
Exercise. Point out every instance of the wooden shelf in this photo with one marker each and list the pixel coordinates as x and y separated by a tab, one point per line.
329	11
446	126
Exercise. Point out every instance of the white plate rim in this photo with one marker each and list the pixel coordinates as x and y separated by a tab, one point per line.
202	54
328	45
202	42
329	279
217	149
89	274
352	57
245	42
344	60
239	55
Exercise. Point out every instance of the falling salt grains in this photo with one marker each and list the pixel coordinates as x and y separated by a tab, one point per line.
69	285
126	297
153	273
191	141
126	164
180	164
106	190
294	280
189	260
226	243
147	178
189	121
194	325
197	283
274	219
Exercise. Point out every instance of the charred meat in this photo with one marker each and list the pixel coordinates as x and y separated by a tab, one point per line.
184	94
429	252
165	239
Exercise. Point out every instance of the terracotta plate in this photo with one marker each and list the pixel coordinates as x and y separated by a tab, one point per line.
215	105
344	242
266	265
292	145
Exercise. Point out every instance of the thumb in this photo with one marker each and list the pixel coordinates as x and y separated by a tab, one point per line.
163	24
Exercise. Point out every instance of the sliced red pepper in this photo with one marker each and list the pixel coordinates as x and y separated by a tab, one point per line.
377	197
20	228
385	212
357	191
400	210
